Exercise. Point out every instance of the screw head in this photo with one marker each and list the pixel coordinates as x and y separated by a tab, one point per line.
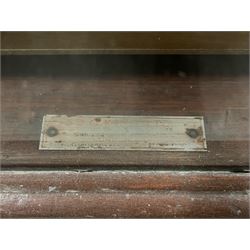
192	132
52	131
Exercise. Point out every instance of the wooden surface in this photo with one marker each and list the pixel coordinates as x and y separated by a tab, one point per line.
226	119
124	194
216	87
63	181
125	42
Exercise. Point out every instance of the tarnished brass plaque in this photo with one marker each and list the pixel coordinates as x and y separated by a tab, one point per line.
102	132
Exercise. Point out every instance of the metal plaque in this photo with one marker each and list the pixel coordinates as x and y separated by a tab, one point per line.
103	132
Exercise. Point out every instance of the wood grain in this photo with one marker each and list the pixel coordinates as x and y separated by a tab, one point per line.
38	78
63	181
124	195
223	101
126	205
125	42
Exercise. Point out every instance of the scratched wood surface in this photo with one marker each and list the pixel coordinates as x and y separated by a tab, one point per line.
215	87
62	181
125	42
124	194
222	99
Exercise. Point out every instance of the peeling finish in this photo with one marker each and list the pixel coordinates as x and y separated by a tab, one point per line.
129	205
124	194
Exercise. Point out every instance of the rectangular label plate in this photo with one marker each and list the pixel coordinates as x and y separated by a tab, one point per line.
100	132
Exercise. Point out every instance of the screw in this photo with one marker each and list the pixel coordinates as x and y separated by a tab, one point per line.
98	119
193	133
51	131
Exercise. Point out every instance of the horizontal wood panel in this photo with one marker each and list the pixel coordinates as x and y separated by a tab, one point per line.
223	101
69	181
165	204
124	66
125	42
221	155
124	194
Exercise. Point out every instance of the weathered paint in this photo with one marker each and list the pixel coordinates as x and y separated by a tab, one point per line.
99	132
